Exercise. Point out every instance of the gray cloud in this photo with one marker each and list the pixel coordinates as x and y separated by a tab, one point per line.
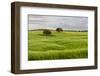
52	22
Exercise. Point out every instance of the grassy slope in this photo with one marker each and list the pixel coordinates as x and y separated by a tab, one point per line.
63	45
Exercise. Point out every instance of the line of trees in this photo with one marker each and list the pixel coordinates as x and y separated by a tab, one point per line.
48	32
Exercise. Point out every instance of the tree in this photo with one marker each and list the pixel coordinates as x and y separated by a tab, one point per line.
59	30
47	32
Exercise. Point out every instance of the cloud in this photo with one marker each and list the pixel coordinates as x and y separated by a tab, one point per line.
52	22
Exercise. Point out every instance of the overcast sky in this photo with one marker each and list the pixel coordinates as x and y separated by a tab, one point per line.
52	22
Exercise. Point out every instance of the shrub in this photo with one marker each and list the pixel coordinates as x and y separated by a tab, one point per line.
47	32
59	30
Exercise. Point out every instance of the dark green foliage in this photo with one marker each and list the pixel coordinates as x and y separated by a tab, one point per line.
46	32
59	30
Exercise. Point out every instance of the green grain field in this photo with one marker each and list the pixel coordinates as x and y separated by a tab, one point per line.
59	45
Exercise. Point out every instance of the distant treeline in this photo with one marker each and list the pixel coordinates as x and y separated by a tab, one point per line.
63	30
77	30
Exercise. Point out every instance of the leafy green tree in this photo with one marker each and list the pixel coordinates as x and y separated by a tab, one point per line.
59	30
47	32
